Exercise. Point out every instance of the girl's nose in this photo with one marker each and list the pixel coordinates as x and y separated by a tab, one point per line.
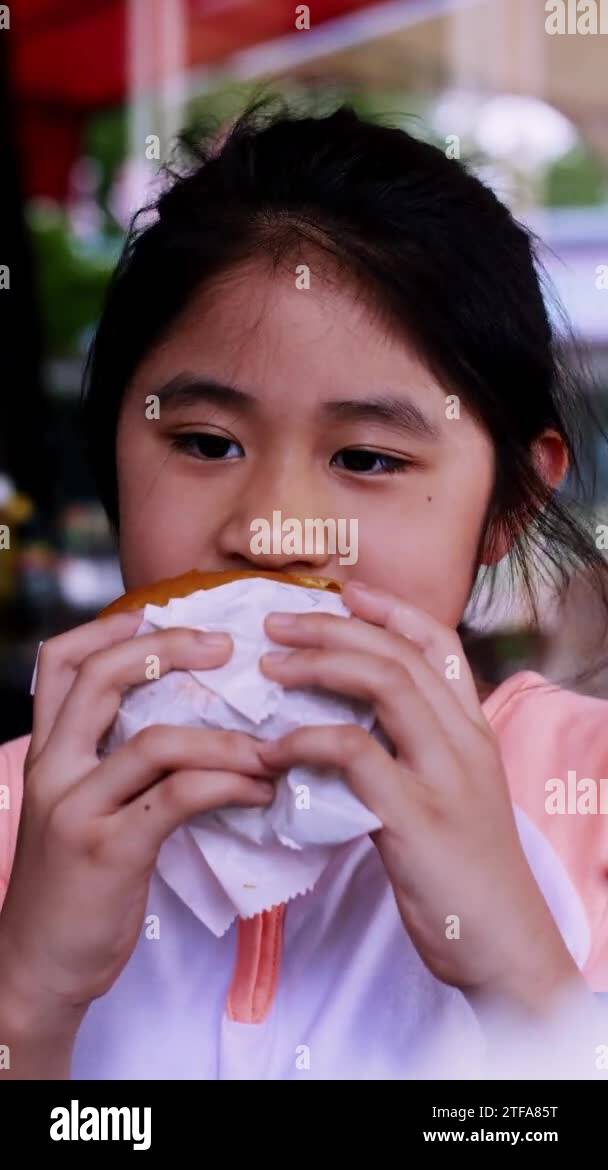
286	532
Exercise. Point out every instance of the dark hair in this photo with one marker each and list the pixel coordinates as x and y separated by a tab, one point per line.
436	251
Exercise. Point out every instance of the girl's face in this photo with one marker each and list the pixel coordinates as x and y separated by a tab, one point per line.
273	398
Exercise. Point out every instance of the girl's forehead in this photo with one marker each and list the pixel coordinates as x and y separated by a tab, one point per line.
258	295
284	328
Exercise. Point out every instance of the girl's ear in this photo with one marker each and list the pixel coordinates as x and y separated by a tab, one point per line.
550	457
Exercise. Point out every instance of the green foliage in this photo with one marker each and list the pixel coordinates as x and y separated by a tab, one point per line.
71	284
577	180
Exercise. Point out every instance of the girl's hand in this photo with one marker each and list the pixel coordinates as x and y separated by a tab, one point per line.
90	831
449	841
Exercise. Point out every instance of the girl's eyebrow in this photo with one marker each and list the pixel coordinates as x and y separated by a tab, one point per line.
185	390
396	411
400	412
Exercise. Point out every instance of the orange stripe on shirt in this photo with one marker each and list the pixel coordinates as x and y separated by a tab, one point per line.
256	972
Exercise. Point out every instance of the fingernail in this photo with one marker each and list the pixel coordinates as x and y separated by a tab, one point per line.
210	638
266	789
131	615
270	747
282	619
276	656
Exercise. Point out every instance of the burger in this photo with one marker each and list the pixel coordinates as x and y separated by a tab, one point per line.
237	860
163	591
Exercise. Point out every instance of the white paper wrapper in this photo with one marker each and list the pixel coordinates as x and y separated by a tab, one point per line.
240	861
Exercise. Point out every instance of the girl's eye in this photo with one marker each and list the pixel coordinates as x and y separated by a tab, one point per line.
206	445
360	459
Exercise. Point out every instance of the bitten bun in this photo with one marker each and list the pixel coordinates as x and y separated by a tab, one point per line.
161	592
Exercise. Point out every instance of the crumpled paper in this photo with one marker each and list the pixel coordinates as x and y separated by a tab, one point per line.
240	861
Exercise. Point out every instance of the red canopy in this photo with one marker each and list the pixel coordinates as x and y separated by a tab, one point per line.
70	58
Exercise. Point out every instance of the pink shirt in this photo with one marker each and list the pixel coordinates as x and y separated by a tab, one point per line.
330	985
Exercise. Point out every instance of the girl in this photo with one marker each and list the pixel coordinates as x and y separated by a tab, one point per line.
333	320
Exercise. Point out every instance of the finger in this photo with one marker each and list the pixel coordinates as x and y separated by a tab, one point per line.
406	717
368	769
440	644
58	661
157	751
154	815
91	705
332	632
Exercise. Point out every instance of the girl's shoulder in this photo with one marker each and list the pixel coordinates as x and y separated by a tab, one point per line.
554	746
560	722
12	759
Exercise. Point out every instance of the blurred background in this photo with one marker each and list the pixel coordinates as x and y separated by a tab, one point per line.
92	96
